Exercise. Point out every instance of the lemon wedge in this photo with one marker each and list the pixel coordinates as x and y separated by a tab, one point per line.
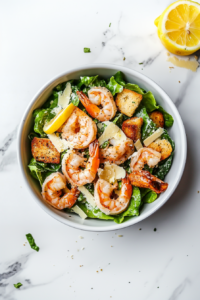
59	119
179	27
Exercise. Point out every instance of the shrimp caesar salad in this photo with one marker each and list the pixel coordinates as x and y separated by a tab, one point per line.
100	148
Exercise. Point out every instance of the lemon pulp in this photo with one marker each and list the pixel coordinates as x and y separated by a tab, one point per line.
179	27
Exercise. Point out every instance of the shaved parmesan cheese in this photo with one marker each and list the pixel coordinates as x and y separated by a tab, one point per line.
79	211
63	98
119	172
111	173
110	132
88	195
60	144
107	173
153	137
138	145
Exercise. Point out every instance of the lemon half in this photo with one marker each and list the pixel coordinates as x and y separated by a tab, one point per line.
59	119
179	27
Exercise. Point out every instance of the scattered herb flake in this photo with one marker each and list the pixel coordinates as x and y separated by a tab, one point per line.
124	58
87	50
110	25
141	63
155	229
17	285
32	242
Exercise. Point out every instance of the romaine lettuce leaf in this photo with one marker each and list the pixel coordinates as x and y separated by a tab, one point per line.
150	197
93	212
134	206
41	170
169	121
119	119
52	100
114	87
86	80
119	78
32	135
41	117
134	87
164	166
148	126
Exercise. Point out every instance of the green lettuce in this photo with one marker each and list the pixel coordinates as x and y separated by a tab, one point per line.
169	121
133	208
42	116
134	87
41	170
119	78
52	100
86	81
164	166
119	119
148	126
114	87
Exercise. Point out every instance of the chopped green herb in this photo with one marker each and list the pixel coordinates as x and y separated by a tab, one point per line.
105	144
124	58
87	50
141	63
17	285
155	229
32	242
110	25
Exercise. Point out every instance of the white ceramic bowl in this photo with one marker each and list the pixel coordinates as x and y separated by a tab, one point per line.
177	133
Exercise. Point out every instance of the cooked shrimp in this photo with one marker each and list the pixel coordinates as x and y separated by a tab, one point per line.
53	192
145	156
73	161
80	130
99	96
145	179
103	193
118	153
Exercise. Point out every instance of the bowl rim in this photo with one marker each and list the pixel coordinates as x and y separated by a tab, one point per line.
133	220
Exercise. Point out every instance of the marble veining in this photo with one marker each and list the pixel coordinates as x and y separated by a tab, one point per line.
41	39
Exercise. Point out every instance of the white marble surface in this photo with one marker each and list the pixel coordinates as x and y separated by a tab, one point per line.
40	39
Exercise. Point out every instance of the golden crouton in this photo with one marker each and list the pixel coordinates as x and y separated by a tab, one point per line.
43	150
162	146
127	101
132	128
157	117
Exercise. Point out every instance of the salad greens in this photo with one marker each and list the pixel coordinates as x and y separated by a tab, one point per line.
115	85
32	242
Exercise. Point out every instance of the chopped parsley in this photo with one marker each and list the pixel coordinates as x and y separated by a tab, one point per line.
17	285
109	24
86	50
124	58
32	242
141	63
